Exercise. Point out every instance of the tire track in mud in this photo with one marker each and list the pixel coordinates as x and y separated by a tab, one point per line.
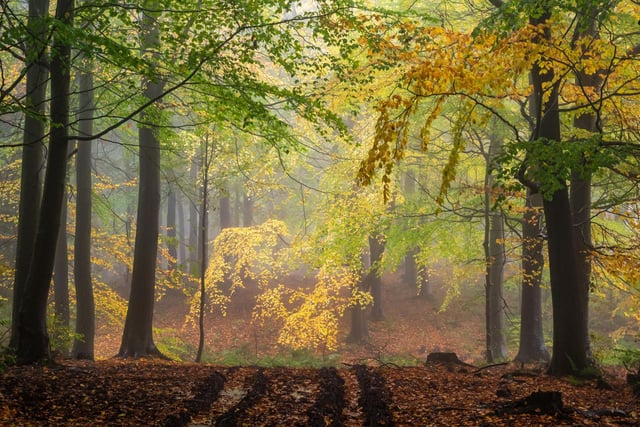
330	403
374	397
204	395
257	388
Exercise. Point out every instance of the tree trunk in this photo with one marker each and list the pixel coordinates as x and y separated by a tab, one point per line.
496	341
203	247
172	241
359	332
532	347
225	212
570	326
61	276
373	281
580	195
247	210
180	231
33	339
193	267
496	336
137	338
32	156
83	347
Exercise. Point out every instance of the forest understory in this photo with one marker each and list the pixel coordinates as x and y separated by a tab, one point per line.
115	392
365	384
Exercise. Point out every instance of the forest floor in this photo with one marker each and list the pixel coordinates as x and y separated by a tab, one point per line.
363	386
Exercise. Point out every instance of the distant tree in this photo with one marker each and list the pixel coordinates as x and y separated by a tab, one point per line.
172	228
495	258
373	281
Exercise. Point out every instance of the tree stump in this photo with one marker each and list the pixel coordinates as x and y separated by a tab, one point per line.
444	358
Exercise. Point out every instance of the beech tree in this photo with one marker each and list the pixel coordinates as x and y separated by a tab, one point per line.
528	34
36	54
83	345
33	339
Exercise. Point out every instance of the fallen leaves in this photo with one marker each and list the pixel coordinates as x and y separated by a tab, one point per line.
118	392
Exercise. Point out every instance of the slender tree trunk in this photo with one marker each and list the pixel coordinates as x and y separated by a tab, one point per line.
496	342
193	222
172	242
247	210
32	155
532	346
182	256
359	332
225	212
83	347
373	279
137	338
33	339
203	247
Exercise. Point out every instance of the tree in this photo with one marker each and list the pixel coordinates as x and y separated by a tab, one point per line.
570	321
33	340
36	54
83	345
204	243
137	338
494	250
372	280
532	347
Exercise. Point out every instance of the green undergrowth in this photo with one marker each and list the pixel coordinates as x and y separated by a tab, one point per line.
243	356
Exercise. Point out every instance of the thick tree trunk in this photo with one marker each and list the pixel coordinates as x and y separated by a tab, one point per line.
32	156
61	272
532	347
33	339
137	338
580	195
570	327
83	348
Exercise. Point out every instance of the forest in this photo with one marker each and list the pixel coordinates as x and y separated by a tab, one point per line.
344	206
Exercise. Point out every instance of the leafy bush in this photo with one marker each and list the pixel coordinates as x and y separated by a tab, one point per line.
6	356
61	336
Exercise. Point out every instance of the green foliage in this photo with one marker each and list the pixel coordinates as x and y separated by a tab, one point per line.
171	345
549	164
6	355
61	336
292	358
